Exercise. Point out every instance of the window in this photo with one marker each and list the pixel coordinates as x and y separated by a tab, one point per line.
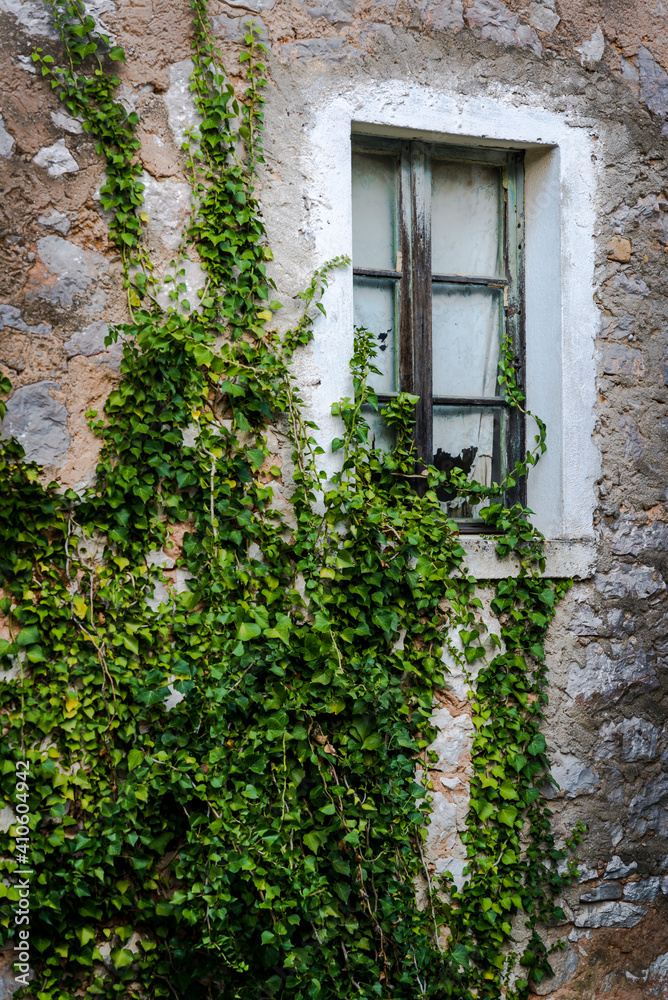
437	259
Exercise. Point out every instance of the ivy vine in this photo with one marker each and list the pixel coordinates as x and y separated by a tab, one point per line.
225	699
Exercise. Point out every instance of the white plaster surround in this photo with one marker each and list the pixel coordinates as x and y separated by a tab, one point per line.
561	316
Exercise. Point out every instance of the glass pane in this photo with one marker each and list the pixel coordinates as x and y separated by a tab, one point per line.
375	310
466	323
468	438
380	435
465	217
374	211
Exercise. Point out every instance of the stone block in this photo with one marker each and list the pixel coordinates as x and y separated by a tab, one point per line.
56	159
443	15
6	140
623	580
610	675
620	249
502	26
573	777
608	890
564	963
591	49
330	50
616	868
653	82
616	359
11	317
644	891
71	269
453	740
38	422
89	341
629	740
610	914
57	221
543	16
629	539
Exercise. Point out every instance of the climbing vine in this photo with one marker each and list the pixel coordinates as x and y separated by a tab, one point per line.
220	672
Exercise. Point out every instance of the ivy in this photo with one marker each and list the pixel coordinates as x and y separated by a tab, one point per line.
224	695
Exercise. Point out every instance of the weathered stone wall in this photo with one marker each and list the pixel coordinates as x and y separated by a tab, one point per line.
602	66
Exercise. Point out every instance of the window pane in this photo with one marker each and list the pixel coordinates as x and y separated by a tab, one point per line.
380	436
375	310
374	211
466	323
465	216
468	438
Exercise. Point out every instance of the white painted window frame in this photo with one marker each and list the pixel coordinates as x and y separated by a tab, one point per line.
561	315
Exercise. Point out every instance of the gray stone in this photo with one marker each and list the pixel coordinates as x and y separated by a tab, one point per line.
33	15
585	622
629	740
610	914
620	327
630	283
234	28
68	124
623	581
73	268
181	112
573	777
334	11
443	15
586	874
564	963
610	675
543	16
456	868
620	623
57	159
330	50
254	6
11	317
6	140
591	50
608	890
616	359
453	739
89	341
502	26
168	204
629	539
634	443
38	422
651	794
658	969
57	221
644	891
653	82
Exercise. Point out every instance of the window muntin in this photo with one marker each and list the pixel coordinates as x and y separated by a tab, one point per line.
437	264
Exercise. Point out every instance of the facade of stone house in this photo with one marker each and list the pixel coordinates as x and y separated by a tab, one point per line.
581	90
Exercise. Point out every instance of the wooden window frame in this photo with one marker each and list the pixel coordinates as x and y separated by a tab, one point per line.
414	280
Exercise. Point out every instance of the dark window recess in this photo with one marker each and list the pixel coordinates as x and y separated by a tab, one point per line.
437	261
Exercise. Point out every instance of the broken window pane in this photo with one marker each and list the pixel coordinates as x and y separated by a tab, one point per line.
466	325
465	216
374	211
469	439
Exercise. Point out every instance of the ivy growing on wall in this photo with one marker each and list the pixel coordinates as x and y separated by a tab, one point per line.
224	696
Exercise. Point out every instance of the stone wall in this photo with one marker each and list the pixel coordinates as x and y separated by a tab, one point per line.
602	68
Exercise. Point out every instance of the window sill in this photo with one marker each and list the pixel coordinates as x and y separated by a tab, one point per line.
564	558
